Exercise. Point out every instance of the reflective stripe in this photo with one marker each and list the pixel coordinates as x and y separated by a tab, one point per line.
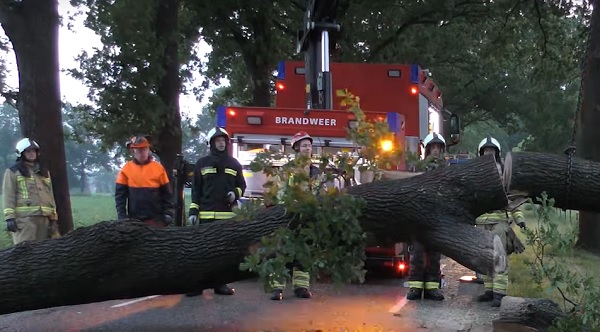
300	278
216	215
415	284
518	214
22	182
8	211
230	171
498	284
432	285
208	170
194	206
277	284
239	191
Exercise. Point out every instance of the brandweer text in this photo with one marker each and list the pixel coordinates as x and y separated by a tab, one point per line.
305	121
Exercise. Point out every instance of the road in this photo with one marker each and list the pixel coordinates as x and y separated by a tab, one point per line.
377	305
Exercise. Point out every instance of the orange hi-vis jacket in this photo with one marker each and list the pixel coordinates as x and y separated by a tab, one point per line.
143	191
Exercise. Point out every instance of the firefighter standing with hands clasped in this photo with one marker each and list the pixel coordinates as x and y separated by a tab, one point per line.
424	273
217	185
302	146
29	206
499	223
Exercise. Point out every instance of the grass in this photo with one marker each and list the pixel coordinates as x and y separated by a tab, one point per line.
520	274
87	210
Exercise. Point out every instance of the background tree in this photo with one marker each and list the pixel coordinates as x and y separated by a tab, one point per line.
135	79
32	28
9	130
84	152
588	120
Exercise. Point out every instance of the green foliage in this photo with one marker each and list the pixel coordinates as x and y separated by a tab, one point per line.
125	75
324	233
552	270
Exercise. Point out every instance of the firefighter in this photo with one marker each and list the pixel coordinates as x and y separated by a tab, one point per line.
142	189
424	273
302	146
29	205
499	223
217	185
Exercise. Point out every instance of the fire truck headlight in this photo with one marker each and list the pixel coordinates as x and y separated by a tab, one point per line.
387	145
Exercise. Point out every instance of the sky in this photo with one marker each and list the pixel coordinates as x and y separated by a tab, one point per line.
73	42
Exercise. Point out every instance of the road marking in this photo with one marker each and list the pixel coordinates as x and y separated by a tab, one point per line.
399	305
134	301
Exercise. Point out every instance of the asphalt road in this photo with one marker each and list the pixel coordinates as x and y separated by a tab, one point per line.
377	305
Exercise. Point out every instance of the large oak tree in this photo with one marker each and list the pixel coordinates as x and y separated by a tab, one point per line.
32	27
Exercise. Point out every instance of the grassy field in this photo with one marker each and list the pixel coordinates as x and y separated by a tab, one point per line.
520	275
87	210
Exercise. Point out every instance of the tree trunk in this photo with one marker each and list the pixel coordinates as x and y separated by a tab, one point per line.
125	260
532	173
170	137
524	314
32	27
83	182
589	136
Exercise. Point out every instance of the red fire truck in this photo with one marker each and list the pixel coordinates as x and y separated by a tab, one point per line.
404	95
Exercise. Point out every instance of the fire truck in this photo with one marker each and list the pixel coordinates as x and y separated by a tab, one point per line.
403	95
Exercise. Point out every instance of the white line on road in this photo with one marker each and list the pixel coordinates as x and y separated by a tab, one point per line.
401	303
134	301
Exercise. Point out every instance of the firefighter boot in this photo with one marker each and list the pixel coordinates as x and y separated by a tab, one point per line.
433	294
224	290
277	295
302	292
414	293
486	297
497	299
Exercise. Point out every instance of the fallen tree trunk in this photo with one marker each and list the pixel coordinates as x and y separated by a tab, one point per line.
533	173
116	260
525	314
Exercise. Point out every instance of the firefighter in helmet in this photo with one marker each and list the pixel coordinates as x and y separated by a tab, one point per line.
302	146
29	205
499	223
142	189
424	272
217	185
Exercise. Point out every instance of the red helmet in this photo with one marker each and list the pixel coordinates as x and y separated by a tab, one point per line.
300	136
138	142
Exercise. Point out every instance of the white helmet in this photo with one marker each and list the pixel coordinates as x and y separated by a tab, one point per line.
489	142
434	138
216	132
25	144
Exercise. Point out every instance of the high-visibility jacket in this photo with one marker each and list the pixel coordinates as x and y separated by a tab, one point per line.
215	175
497	216
143	191
28	192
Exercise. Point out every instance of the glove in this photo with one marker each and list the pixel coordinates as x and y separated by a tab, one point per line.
521	223
11	225
231	197
168	219
192	219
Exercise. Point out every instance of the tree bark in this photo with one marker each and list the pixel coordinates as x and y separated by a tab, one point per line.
170	137
589	135
530	174
115	260
32	27
525	314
